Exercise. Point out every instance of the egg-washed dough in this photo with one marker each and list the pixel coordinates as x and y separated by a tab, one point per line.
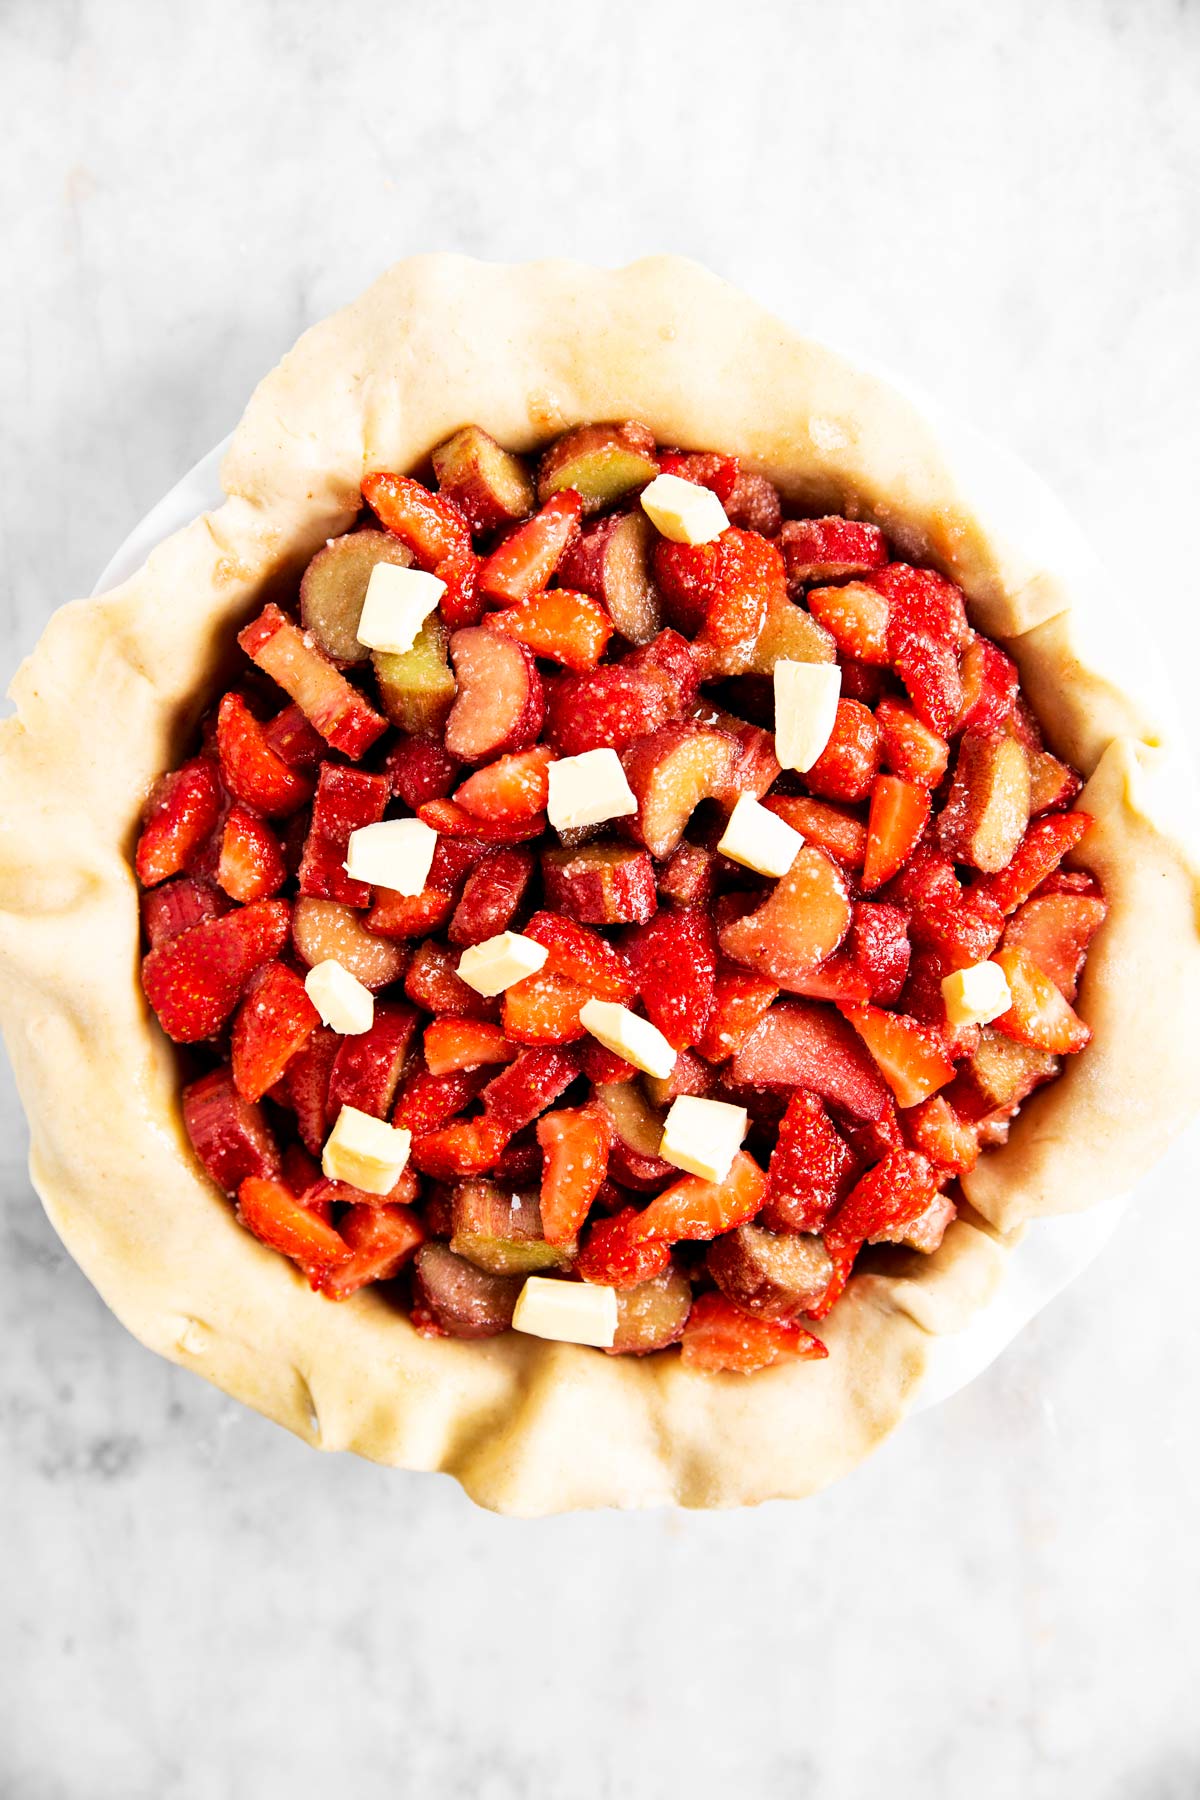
113	691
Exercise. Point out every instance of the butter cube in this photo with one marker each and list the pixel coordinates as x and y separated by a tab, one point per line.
398	602
627	1035
757	839
703	1136
573	1312
588	789
806	698
365	1151
499	961
977	995
396	854
683	511
344	1004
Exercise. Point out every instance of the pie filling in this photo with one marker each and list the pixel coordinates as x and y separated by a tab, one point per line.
609	908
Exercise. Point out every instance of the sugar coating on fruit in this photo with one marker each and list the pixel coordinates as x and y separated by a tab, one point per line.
806	700
627	1035
703	1136
683	511
588	789
398	601
396	854
500	961
571	1312
366	1152
759	839
344	1004
977	995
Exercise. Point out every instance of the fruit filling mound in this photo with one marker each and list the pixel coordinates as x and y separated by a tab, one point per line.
609	908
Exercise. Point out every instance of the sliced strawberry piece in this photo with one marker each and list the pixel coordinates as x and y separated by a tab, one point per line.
600	884
347	801
409	915
382	1240
898	816
989	683
613	1257
449	819
961	932
893	1193
856	618
688	875
180	816
907	747
195	981
699	1210
935	1129
250	865
926	879
433	982
602	1067
879	948
1035	857
927	630
674	959
564	626
831	549
802	921
922	1000
515	787
277	1219
430	524
501	702
293	739
367	1067
1054	931
334	708
452	1044
811	1169
492	896
275	1019
1039	1015
230	1135
739	1001
466	1147
177	906
544	1009
800	1043
427	1102
576	1145
582	956
849	763
419	770
253	770
720	591
306	1082
670	772
720	1336
528	1086
528	556
910	1058
608	708
671	655
833	829
703	467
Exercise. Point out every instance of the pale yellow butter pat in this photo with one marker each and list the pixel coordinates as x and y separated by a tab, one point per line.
396	854
365	1151
500	961
977	995
572	1312
683	511
758	839
703	1136
627	1035
588	789
806	699
344	1004
398	601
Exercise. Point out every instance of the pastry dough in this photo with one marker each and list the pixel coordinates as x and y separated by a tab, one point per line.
113	691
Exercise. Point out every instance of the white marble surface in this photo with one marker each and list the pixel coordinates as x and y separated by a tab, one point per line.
1000	202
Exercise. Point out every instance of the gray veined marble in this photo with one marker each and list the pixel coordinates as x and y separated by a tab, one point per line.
1000	202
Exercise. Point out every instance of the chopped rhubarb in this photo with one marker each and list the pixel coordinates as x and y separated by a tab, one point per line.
489	485
831	549
987	812
799	1043
177	906
492	895
347	800
833	829
600	462
367	1068
670	772
600	884
610	560
306	1086
291	658
229	1133
501	702
334	588
802	921
327	931
774	1275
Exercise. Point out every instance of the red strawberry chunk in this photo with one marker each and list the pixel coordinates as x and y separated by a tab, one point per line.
277	1219
739	1002
449	819
704	468
566	627
528	1086
719	1336
544	1009
515	787
575	1144
452	1044
856	618
582	956
433	982
989	682
177	906
466	1147
899	814
230	1135
700	1210
833	829
1039	1015
1037	855
1054	931
332	706
181	814
935	1129
687	876
250	866
1052	785
879	948
831	549
427	1102
962	932
911	1059
382	1240
755	504
526	559
347	801
419	769
366	1069
893	1193
409	915
720	591
671	655
195	981
613	1257
674	962
602	1066
430	524
306	1083
907	747
274	1020
849	763
607	708
927	629
811	1168
254	771
492	896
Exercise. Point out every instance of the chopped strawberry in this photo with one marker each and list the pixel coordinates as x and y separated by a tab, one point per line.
514	787
427	1102
367	1067
493	894
688	876
451	820
935	1129
1039	1015
177	906
229	1134
195	981
292	738
989	684
600	884
465	1147
898	816
180	815
856	618
860	681
528	1086
1036	856
576	1145
831	549
452	1044
962	932
720	591
253	770
802	921
879	948
582	956
276	1017
271	1212
409	915
799	1043
811	1168
250	865
544	1009
674	959
607	708
526	559
347	801
382	1241
704	467
419	769
699	1210
603	1067
430	524
306	1082
927	629
720	1336
1054	931
613	1257
849	763
433	982
739	1002
830	828
566	627
291	658
910	1058
922	1000
927	878
839	978
519	1164
895	1192
907	747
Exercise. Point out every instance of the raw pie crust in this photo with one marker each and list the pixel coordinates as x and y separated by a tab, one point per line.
114	689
